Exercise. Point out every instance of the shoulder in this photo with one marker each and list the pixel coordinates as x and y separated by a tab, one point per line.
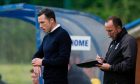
129	40
63	32
63	35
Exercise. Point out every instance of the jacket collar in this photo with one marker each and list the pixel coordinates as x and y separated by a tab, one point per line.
58	25
120	35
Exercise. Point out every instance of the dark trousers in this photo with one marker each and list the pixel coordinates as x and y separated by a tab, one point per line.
55	82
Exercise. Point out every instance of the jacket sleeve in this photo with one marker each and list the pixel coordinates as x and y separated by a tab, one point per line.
129	52
63	52
39	53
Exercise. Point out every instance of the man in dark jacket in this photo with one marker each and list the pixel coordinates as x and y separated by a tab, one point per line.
54	51
120	61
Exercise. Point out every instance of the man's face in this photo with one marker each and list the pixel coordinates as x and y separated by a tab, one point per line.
44	23
111	29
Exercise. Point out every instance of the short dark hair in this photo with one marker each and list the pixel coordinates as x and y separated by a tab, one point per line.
116	21
48	13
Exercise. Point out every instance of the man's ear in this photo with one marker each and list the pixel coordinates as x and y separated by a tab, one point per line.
119	28
51	20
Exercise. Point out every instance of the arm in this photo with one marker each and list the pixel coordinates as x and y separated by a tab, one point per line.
36	63
39	53
129	52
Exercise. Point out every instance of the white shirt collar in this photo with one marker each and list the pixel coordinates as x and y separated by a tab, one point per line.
58	25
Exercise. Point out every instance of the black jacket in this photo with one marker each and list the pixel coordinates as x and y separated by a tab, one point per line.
55	49
121	56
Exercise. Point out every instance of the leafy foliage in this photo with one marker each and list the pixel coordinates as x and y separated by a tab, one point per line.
17	41
128	10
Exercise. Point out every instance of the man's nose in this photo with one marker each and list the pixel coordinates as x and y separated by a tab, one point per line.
109	34
40	26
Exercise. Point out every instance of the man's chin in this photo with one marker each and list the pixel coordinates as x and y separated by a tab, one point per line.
45	31
111	38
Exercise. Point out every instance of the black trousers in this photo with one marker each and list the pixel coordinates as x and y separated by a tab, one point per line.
55	81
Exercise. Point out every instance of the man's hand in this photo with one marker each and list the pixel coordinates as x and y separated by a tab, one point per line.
99	59
37	71
104	66
37	62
